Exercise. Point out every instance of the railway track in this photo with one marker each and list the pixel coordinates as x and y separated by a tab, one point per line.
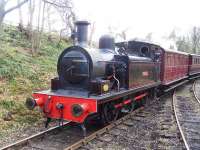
26	141
150	127
100	132
54	138
187	112
195	88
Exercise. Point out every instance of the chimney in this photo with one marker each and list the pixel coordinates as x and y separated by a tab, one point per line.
82	32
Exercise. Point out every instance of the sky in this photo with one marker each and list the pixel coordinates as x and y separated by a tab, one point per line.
137	17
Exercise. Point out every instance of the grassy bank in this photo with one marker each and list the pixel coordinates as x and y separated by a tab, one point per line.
20	74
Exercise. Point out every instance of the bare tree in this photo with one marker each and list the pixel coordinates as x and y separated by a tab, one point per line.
195	39
67	14
4	11
20	14
172	35
65	10
123	34
112	31
188	43
43	17
183	44
48	17
171	47
40	26
31	33
29	29
118	33
59	3
36	38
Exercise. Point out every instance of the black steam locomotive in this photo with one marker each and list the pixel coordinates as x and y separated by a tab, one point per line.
103	81
118	65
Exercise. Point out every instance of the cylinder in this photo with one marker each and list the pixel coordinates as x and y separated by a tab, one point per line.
82	31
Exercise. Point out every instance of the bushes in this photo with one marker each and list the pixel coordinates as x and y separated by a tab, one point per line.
21	73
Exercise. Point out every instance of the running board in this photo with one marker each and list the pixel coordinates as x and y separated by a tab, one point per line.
176	85
191	78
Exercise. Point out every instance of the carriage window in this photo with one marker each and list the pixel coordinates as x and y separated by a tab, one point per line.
168	60
175	59
185	60
181	60
144	51
172	59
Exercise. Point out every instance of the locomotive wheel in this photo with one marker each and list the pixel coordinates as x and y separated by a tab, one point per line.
110	112
143	101
133	106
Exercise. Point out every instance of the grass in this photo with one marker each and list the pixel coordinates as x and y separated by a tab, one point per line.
21	73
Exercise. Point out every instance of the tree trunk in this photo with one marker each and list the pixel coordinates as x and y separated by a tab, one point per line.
20	15
43	19
2	11
1	30
1	19
48	18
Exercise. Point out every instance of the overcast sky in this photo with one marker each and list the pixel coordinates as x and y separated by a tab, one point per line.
138	17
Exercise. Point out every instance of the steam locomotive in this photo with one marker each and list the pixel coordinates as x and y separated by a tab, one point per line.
112	79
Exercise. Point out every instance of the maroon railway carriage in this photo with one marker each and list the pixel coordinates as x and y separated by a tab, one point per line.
174	67
194	65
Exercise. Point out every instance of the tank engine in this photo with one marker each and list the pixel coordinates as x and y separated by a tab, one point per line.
88	68
100	81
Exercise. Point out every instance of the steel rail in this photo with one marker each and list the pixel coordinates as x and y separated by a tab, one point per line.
26	140
194	92
84	140
177	121
96	134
